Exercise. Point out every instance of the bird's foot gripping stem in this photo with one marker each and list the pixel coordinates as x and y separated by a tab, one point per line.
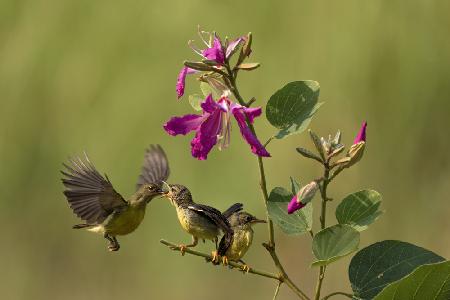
215	257
180	247
245	268
224	260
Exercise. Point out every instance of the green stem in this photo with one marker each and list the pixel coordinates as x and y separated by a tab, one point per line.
270	246
323	214
231	263
338	293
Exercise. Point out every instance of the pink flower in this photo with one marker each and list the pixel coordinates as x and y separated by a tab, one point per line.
214	51
213	126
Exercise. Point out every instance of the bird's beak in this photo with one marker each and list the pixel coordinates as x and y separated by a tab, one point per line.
258	221
165	188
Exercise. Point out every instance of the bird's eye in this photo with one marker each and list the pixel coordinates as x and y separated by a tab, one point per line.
248	218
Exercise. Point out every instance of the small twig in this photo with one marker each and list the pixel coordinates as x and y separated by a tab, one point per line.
338	293
277	289
231	263
284	275
268	141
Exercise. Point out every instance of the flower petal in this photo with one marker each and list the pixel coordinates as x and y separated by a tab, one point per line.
361	137
294	205
233	45
215	53
206	136
183	125
181	80
252	113
247	134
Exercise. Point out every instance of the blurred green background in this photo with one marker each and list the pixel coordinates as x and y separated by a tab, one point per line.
100	76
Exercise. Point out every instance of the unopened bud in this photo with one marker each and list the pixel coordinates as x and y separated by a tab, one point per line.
248	66
303	197
317	142
199	66
307	193
355	153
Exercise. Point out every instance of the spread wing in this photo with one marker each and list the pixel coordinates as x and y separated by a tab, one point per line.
233	209
220	220
90	195
155	168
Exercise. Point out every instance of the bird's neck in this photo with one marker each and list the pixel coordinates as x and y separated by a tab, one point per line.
138	201
182	202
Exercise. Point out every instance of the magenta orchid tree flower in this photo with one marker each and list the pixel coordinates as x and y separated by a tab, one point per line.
214	51
213	126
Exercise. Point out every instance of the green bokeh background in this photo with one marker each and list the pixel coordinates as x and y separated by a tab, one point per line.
100	76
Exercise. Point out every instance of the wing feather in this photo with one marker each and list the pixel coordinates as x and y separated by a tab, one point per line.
155	168
90	195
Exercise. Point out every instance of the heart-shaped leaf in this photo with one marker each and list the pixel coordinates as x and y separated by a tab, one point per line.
359	209
294	224
382	263
426	282
291	108
334	242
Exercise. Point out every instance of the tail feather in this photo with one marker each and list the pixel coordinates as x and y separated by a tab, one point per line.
80	226
233	209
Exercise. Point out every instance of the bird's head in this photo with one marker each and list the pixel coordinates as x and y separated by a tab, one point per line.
177	193
149	191
244	218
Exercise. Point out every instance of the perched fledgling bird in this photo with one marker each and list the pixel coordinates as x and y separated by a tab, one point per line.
241	222
199	220
93	198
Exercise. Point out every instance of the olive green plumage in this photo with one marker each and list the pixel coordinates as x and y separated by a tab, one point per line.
199	220
241	222
94	200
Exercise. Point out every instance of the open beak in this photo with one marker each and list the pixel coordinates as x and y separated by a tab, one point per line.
165	188
258	221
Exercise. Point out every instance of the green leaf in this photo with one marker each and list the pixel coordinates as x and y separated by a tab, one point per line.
382	263
291	108
207	89
195	100
334	242
426	282
359	209
294	224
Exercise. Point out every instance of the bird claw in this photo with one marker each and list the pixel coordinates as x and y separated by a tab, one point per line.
182	248
215	257
245	268
113	247
224	260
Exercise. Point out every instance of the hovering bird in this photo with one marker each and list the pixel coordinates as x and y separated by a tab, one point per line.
199	220
241	222
93	198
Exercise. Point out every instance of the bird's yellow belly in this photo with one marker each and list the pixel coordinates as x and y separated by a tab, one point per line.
197	225
242	240
125	222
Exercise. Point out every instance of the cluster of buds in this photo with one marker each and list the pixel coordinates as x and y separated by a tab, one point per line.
328	149
331	147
